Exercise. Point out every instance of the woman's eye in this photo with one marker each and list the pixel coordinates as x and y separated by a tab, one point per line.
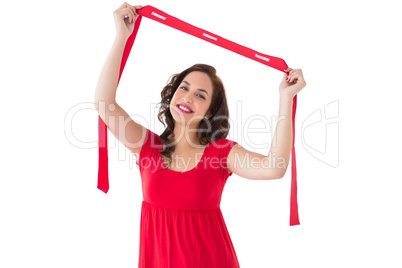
197	94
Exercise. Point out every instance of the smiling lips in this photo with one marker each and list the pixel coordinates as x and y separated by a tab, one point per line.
184	108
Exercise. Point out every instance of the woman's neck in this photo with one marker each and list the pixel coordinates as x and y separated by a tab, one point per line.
186	138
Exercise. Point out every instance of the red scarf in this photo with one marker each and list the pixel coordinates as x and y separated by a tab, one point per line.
160	16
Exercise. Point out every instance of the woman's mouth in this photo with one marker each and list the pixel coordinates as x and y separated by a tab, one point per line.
184	109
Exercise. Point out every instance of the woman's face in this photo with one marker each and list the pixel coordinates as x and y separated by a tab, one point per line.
195	91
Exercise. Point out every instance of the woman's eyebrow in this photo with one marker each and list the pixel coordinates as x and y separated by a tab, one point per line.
200	89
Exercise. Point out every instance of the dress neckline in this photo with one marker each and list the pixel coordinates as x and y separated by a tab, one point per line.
187	171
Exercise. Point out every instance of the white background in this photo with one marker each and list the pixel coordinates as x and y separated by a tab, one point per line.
347	141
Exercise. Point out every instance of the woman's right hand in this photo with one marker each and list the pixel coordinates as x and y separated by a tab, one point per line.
125	26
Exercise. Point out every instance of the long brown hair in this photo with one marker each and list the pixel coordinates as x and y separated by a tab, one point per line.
218	123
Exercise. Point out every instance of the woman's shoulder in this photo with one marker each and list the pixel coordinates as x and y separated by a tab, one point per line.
223	142
222	145
152	139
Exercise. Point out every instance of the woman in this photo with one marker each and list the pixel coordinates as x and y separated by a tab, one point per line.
181	221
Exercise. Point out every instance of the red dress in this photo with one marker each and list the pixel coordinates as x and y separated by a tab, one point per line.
182	225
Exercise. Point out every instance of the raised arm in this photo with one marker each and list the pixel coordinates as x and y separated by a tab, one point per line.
126	130
108	79
107	83
254	166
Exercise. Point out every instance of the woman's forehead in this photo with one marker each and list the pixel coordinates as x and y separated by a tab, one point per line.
199	80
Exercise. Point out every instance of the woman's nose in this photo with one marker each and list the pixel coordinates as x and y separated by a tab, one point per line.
187	98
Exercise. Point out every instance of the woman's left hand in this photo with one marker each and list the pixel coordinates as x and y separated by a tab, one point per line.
291	83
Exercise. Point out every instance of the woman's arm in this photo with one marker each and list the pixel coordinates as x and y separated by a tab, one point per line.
124	17
107	83
122	126
256	166
281	145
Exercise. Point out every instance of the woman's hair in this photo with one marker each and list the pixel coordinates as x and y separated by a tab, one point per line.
215	128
